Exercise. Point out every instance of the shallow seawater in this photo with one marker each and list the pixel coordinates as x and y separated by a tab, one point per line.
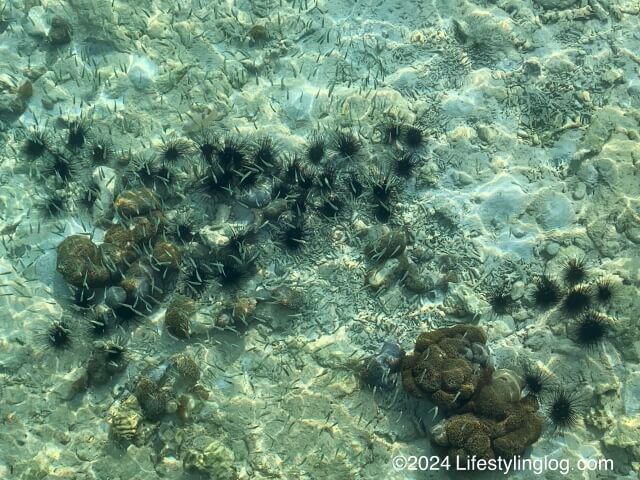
307	239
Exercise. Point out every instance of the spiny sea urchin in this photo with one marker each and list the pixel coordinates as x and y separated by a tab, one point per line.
577	300
77	133
346	144
563	408
57	336
174	149
36	142
590	329
547	292
413	136
574	270
62	167
605	290
316	148
537	380
501	301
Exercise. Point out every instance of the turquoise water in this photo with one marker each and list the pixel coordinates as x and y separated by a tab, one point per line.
225	226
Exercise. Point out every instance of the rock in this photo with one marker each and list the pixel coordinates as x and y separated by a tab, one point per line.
384	243
214	460
579	191
142	72
60	31
504	203
11	104
107	359
36	23
383	275
115	297
418	280
72	383
631	394
461	179
105	179
552	249
556	4
486	133
552	210
461	301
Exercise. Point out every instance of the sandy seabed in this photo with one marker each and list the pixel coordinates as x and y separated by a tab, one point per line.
530	115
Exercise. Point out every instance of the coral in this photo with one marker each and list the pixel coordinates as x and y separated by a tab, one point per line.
471	434
133	203
186	368
495	398
166	255
152	398
488	416
178	316
80	262
442	366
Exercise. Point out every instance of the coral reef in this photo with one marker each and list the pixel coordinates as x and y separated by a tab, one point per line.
487	415
80	262
447	365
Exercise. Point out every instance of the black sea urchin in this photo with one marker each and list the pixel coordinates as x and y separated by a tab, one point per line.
501	301
292	229
547	292
413	137
605	290
232	154
537	381
77	134
577	300
563	408
346	144
316	148
206	146
100	150
406	163
57	336
391	131
574	270
266	154
590	329
36	142
174	149
53	203
63	168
